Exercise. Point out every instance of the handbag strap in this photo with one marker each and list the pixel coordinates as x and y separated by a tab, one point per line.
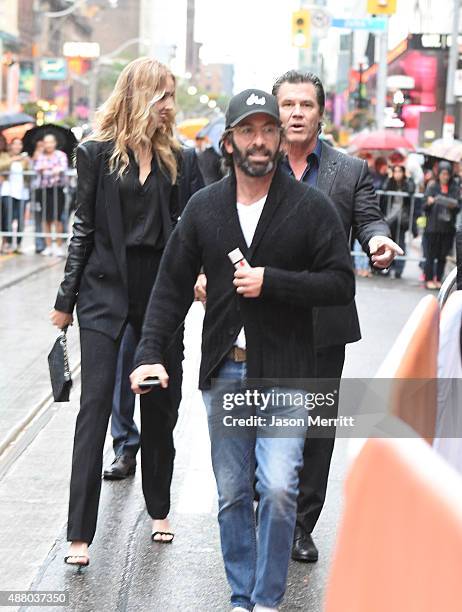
63	341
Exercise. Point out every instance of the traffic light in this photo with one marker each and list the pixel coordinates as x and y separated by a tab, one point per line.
381	7
301	23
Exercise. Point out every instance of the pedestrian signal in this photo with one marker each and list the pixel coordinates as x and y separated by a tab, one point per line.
381	7
301	28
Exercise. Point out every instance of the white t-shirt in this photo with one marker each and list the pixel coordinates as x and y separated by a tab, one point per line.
249	215
13	186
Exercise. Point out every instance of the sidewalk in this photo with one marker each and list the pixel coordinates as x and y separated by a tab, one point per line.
127	571
28	285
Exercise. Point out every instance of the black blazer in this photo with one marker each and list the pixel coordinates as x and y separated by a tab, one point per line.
95	275
300	241
347	182
190	179
210	165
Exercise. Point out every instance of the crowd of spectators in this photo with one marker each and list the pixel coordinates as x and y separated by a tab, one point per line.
420	200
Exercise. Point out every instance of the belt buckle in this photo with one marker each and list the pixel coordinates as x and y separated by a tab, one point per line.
239	354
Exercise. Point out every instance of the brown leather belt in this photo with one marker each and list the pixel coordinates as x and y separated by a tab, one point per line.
237	354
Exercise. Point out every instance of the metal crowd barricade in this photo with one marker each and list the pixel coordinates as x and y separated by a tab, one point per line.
29	210
386	201
389	202
453	281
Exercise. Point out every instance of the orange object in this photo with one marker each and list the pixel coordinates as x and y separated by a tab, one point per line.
190	127
381	7
301	29
412	364
400	539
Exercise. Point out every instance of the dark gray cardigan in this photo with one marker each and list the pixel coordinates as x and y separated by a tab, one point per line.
300	242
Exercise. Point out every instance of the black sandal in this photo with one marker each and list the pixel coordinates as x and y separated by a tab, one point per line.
79	564
162	533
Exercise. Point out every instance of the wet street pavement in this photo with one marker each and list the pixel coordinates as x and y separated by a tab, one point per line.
127	571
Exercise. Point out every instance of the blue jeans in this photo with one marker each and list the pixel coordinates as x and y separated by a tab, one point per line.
360	258
12	208
256	558
40	243
398	264
125	434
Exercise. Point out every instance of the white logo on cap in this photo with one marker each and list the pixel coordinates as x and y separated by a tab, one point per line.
254	99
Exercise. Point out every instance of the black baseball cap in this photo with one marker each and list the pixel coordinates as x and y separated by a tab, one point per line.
250	102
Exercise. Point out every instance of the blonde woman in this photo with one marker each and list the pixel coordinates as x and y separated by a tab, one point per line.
126	210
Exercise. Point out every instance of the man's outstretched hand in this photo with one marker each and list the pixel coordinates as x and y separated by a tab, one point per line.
383	251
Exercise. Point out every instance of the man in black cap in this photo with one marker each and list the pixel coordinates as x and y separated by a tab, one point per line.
272	248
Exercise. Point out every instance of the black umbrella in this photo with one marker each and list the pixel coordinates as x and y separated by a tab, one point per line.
64	137
8	120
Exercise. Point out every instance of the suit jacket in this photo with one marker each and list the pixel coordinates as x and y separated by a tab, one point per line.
347	182
95	275
300	242
210	165
190	179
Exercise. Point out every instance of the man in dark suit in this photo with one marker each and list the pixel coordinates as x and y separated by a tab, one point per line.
347	182
125	434
257	326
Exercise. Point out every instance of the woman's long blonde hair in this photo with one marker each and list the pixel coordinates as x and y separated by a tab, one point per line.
129	118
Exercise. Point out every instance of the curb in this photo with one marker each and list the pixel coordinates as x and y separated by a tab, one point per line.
36	270
43	405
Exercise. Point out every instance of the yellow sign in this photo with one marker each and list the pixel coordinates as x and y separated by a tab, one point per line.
301	29
381	7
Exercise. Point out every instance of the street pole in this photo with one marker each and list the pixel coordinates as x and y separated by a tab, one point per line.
351	104
190	47
93	88
37	46
382	79
360	90
449	117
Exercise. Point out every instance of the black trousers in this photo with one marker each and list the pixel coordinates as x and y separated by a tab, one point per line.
159	412
317	453
439	247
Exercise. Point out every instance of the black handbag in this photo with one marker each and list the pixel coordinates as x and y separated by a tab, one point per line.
60	373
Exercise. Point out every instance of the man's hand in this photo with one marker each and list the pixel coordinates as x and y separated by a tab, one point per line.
249	281
430	200
200	289
145	371
383	251
61	319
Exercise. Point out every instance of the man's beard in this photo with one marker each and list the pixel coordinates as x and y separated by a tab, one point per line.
254	169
